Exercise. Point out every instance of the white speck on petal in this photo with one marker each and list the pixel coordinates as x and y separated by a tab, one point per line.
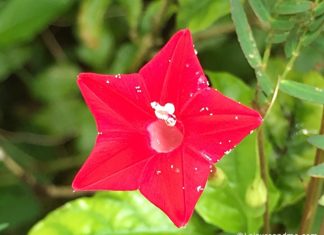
107	82
196	52
171	166
158	172
228	151
99	133
199	188
196	168
177	170
236	118
187	65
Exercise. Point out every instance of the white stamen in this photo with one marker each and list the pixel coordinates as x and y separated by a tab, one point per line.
165	112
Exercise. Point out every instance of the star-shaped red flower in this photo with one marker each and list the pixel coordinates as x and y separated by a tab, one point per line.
161	130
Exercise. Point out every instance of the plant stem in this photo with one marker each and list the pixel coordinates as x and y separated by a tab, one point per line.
29	179
313	191
264	176
282	76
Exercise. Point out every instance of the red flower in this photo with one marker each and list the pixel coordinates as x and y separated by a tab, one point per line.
161	130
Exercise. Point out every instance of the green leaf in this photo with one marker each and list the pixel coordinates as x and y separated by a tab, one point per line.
303	91
231	86
260	9
291	43
124	58
199	15
288	7
279	37
149	15
248	45
282	24
113	213
133	10
317	141
21	20
244	34
56	83
3	226
317	171
12	60
18	204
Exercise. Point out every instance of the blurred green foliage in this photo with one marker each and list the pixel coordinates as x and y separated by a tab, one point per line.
46	128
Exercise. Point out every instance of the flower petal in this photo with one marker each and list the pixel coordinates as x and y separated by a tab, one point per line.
117	102
116	163
215	124
174	74
174	182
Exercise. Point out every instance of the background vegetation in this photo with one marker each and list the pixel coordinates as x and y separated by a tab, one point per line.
46	131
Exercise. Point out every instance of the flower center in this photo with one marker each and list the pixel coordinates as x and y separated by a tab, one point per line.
165	136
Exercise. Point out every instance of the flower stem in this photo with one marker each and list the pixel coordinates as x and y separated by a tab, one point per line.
282	76
264	176
29	179
313	191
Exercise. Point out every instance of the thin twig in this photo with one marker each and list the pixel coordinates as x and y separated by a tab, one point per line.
313	191
282	76
33	138
29	179
53	45
148	41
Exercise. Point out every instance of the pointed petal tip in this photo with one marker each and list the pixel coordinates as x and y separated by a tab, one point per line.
81	77
185	32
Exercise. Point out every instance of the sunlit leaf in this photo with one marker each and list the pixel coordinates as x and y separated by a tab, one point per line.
198	15
3	226
113	213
